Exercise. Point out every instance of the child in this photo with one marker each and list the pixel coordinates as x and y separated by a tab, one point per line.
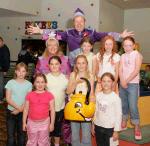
86	47
57	84
129	70
39	106
107	118
16	90
107	60
52	48
77	85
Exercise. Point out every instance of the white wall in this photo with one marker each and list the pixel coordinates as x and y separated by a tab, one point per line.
111	17
65	8
138	20
23	6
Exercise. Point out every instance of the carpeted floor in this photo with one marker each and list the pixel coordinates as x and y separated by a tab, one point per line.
3	130
128	135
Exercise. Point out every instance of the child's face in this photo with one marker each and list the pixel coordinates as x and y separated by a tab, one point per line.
128	46
106	83
52	47
86	47
21	73
54	66
108	45
39	84
81	64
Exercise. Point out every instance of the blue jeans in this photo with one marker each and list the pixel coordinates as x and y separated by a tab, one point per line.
86	133
14	125
129	98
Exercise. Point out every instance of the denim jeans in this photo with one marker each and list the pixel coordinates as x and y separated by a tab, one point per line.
86	133
129	97
14	125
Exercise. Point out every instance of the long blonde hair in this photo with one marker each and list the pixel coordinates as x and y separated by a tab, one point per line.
76	71
46	53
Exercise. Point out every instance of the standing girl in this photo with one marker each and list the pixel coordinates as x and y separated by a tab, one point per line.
16	90
129	70
107	118
86	47
57	84
107	60
77	85
39	106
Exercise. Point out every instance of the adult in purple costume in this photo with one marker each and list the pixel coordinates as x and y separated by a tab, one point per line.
73	36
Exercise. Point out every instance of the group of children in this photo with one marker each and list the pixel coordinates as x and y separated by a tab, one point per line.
41	107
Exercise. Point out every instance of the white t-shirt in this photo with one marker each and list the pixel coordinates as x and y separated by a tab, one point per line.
107	65
57	86
108	112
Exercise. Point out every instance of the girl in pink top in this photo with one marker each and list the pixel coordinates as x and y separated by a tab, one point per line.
129	69
39	106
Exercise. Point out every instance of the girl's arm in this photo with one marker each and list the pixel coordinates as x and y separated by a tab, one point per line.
25	114
11	102
137	68
118	117
72	84
122	81
92	94
116	73
95	66
52	114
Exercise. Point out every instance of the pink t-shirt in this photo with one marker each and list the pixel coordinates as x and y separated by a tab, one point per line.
129	64
39	105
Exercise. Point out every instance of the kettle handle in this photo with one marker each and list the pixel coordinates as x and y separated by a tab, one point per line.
89	90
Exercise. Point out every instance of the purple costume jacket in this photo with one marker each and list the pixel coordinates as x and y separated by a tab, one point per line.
73	37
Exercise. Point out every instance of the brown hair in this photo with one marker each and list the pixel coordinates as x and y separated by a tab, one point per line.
20	65
36	76
86	40
102	49
108	74
1	38
76	69
128	38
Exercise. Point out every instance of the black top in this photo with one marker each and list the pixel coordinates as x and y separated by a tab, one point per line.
4	58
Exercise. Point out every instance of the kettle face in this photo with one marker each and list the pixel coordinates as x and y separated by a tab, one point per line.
77	110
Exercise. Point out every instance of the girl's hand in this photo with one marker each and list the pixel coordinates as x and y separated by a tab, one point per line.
115	136
15	112
93	130
126	33
124	84
51	127
24	127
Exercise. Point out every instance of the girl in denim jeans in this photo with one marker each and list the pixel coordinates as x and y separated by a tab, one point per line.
77	85
129	70
16	90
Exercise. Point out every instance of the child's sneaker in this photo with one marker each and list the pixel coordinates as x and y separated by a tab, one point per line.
138	134
123	125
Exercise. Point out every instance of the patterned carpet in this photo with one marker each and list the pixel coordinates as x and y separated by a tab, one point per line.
3	130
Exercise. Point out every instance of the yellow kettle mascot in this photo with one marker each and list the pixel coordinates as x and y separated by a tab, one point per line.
79	108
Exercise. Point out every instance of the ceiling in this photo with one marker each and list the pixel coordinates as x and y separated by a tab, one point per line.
131	4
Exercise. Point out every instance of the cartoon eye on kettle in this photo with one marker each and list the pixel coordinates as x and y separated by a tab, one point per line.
79	108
